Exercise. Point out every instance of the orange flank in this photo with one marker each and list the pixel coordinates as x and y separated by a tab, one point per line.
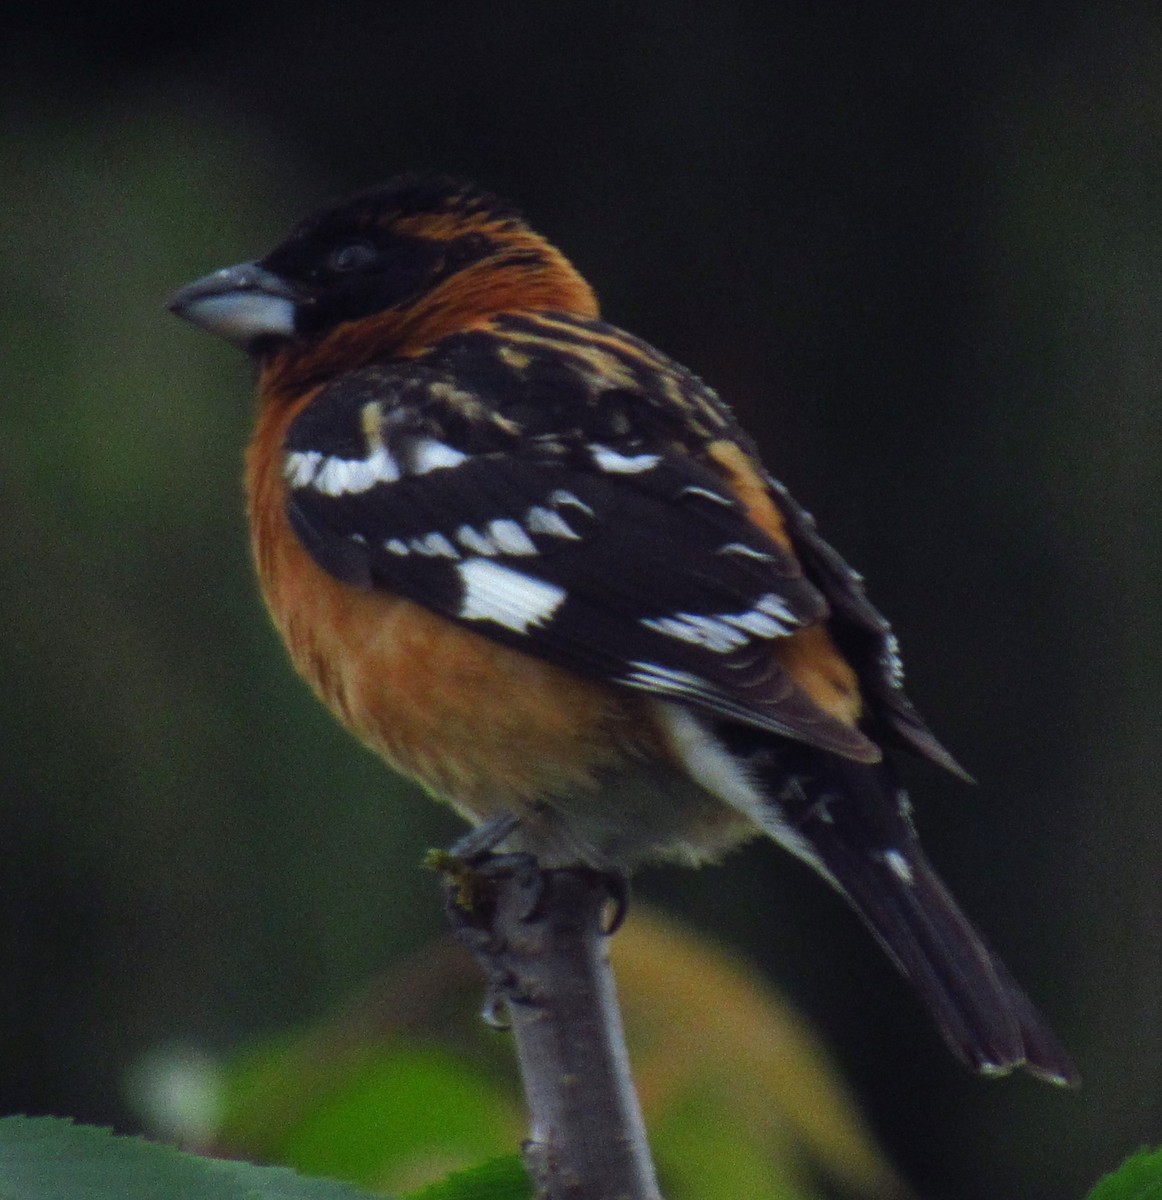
811	659
747	484
809	656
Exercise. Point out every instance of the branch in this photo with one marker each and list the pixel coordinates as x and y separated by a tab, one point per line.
540	938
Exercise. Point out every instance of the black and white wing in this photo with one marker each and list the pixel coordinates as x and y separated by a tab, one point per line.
625	561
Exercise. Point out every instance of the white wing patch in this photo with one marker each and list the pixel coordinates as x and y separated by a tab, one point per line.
895	663
710	633
434	545
722	632
494	592
502	536
509	537
335	476
430	455
743	551
899	866
608	459
561	496
654	675
474	541
301	466
693	489
429	545
539	519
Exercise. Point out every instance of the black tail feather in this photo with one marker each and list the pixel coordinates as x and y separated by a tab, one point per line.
852	821
984	1016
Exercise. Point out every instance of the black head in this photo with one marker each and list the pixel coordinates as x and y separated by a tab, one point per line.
384	247
371	253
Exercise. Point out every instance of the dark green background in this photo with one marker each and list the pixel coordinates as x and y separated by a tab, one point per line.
917	246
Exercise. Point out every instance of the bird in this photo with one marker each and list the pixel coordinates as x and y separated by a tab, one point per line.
538	567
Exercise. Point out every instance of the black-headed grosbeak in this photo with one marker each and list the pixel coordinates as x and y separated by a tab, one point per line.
537	566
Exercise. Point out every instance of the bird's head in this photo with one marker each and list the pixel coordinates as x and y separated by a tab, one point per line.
383	272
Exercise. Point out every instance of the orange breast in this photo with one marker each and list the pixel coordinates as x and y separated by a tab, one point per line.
480	724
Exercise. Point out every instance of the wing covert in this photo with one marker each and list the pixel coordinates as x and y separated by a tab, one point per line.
628	562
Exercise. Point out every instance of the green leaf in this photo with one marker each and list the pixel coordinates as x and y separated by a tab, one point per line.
414	1107
702	1150
502	1178
1138	1178
44	1158
388	1114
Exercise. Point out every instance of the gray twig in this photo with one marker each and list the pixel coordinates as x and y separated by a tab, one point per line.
540	938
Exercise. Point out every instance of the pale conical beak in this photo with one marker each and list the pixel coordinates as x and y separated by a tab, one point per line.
244	304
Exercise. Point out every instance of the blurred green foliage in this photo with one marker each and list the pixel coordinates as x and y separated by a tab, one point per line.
392	1115
1138	1178
406	1083
46	1158
497	1179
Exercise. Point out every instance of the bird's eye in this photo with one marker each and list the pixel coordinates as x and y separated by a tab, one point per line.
351	257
